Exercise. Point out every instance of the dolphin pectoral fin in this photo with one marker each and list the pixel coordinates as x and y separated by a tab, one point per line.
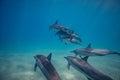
85	58
68	66
35	66
49	56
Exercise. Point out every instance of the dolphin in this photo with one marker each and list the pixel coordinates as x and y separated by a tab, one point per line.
62	30
61	34
76	36
84	67
44	63
65	33
56	26
88	51
73	40
68	34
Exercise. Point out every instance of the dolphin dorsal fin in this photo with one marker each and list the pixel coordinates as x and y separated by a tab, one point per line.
56	22
89	46
49	56
85	58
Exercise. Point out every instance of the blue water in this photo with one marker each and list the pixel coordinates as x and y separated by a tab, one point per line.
24	31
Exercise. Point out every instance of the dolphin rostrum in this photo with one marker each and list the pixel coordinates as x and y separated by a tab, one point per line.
84	67
44	63
88	51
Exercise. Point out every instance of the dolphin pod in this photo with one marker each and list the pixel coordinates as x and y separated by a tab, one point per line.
81	64
65	34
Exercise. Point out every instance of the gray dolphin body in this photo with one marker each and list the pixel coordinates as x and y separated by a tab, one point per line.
44	63
69	35
56	26
84	67
67	40
88	51
65	34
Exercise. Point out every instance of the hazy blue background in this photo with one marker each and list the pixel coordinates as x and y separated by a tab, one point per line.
24	23
24	32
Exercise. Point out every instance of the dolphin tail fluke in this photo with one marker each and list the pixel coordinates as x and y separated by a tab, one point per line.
35	66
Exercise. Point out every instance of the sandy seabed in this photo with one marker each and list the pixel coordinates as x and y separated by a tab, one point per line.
20	66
